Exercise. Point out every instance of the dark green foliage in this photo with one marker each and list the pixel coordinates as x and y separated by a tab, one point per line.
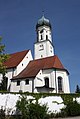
3	57
71	109
77	89
3	85
2	113
67	98
22	108
28	110
37	112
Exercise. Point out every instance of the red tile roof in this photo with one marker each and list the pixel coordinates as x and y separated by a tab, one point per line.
15	59
36	65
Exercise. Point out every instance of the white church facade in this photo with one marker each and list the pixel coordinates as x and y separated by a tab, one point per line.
44	73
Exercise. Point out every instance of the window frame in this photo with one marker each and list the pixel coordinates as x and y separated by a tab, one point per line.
46	82
18	83
27	82
60	84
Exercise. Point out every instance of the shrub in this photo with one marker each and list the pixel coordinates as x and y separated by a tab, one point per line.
28	110
2	113
71	109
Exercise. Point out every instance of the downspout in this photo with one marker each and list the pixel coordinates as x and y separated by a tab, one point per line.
32	85
55	81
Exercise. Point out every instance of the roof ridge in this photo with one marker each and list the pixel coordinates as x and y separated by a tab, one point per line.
54	59
18	52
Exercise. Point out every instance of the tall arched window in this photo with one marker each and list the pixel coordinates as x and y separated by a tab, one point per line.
60	84
47	82
46	37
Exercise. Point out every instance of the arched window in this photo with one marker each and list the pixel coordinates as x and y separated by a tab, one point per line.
41	37
47	82
59	84
46	37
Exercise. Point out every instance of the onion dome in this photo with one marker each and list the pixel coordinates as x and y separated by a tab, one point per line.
43	21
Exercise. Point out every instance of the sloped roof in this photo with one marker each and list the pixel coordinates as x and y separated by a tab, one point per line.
36	65
15	59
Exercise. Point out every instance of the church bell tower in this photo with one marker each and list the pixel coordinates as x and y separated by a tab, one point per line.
43	46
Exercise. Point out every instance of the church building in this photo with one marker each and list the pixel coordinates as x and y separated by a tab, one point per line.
44	73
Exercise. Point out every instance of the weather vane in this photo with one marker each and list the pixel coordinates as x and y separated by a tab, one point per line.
43	12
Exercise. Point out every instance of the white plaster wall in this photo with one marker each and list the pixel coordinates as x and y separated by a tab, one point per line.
45	52
23	87
24	62
65	81
38	81
28	88
14	87
15	71
10	73
53	83
50	73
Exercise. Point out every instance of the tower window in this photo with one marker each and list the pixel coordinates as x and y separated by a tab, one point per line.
47	82
59	84
41	37
41	31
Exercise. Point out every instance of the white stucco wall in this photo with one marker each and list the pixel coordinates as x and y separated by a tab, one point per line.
39	81
53	80
65	81
15	71
22	87
24	62
45	51
10	73
43	47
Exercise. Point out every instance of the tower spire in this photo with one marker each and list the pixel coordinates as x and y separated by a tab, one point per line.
43	46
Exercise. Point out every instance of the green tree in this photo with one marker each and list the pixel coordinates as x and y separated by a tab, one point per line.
3	58
28	110
2	113
71	109
3	85
77	89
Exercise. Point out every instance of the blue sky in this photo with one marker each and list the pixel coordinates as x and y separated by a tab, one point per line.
18	19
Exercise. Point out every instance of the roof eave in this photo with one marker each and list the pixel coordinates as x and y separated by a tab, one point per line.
15	78
57	68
